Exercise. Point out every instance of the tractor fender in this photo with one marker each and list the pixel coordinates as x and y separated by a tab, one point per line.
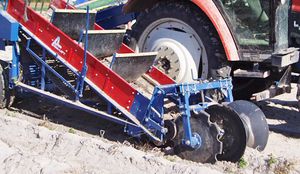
211	11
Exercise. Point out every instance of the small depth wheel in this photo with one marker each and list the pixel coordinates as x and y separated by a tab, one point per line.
210	144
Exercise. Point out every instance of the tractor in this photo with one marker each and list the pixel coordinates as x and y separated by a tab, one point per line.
253	41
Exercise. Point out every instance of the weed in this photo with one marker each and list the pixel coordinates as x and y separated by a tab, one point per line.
170	158
271	160
72	131
242	163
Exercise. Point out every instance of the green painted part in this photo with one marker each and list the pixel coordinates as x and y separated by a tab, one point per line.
98	4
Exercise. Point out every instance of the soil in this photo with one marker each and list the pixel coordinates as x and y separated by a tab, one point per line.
42	137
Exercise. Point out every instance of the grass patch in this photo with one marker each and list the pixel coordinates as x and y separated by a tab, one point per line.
72	131
271	160
170	158
242	163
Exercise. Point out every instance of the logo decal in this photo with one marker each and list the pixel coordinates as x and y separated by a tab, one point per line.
296	25
57	46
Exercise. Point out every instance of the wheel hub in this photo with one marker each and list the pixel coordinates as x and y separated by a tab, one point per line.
206	140
168	61
180	50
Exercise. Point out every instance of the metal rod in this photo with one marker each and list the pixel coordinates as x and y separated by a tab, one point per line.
14	71
80	37
35	6
80	84
43	71
76	105
112	61
67	4
42	6
25	10
47	66
5	5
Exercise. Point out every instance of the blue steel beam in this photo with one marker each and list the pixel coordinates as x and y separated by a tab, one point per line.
9	27
73	104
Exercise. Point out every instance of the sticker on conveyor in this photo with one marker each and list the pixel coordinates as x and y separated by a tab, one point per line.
296	25
57	46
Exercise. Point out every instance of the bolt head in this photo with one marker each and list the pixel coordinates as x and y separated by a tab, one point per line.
187	142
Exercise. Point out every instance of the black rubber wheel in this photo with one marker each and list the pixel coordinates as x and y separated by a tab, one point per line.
6	95
191	15
210	147
234	136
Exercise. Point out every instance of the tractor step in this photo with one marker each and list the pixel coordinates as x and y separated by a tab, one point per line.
251	74
72	22
103	43
285	57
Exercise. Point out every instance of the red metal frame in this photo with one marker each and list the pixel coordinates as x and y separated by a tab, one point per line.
296	6
60	4
210	9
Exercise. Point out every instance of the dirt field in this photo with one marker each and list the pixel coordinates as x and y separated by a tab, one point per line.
39	137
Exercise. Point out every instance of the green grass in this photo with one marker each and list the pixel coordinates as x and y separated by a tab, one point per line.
72	131
271	160
242	163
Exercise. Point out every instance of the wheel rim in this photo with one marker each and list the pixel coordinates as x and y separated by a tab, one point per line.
180	49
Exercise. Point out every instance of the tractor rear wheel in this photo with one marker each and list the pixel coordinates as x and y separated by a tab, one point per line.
187	43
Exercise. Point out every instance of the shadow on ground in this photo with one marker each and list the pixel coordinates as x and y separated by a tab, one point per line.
282	116
39	107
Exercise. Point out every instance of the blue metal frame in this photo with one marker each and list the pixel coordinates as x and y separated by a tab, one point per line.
113	16
4	4
10	32
80	82
183	95
14	70
48	67
43	70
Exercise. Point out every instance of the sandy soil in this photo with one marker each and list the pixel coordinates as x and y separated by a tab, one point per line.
39	137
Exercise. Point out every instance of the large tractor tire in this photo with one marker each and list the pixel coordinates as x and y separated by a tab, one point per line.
187	43
6	95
